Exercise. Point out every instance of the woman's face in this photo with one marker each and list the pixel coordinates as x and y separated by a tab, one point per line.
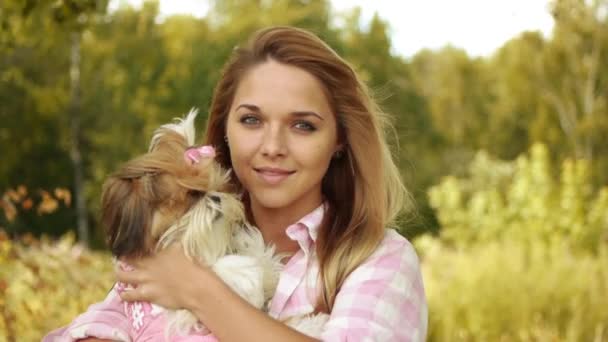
282	135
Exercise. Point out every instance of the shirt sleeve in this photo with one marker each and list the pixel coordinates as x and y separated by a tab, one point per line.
383	299
106	320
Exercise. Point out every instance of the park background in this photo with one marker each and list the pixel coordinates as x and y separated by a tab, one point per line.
505	154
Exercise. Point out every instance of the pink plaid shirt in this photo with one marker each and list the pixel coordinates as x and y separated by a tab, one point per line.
382	300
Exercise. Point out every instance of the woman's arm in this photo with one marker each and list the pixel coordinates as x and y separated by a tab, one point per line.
171	280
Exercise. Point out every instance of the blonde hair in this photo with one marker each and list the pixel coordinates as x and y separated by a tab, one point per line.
363	187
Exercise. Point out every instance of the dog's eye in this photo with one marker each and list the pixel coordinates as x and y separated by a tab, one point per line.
215	199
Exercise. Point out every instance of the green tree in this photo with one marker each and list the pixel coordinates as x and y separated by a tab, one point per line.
35	87
517	114
575	77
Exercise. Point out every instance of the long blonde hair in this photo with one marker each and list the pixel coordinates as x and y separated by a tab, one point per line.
363	187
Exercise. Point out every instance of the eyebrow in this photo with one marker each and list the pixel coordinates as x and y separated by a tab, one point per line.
298	113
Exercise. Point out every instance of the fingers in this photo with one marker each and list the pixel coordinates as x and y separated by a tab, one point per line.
135	291
134	271
138	294
128	277
157	278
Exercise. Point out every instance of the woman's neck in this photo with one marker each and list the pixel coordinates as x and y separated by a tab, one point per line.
273	223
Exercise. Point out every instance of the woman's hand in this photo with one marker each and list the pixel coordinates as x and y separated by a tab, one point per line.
167	278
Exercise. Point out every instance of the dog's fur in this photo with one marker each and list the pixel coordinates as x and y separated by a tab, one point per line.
158	199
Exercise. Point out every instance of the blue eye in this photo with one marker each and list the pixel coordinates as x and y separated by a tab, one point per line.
249	120
305	126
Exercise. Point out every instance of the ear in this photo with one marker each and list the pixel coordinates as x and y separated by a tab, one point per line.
338	151
126	216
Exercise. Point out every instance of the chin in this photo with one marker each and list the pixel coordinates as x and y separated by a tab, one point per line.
268	200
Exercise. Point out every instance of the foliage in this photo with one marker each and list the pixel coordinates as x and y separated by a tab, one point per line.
522	200
45	284
522	254
19	205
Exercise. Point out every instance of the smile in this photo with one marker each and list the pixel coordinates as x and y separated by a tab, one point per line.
273	176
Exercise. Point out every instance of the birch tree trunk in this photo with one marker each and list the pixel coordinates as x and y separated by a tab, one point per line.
75	132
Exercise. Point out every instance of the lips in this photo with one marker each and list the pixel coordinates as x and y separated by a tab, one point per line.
272	175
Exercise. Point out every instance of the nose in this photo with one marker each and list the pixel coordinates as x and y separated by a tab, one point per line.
273	142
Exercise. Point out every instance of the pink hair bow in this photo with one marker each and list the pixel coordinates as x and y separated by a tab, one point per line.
193	155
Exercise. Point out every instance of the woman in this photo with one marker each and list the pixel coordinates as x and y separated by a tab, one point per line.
307	148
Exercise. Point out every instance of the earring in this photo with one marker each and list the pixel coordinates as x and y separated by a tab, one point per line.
226	140
338	154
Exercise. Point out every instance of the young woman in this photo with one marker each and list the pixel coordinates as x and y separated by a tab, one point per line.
308	152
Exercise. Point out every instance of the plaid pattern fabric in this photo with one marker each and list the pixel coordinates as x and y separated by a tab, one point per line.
382	300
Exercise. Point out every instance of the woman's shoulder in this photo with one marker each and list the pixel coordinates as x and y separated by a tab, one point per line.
395	246
394	257
388	286
393	237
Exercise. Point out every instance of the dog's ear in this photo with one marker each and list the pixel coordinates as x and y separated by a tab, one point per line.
126	216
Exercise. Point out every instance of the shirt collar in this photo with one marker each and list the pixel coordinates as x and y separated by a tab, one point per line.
307	226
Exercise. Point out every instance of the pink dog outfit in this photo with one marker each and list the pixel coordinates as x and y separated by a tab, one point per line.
115	319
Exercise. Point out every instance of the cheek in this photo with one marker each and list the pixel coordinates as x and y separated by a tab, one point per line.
243	145
239	154
316	157
239	171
